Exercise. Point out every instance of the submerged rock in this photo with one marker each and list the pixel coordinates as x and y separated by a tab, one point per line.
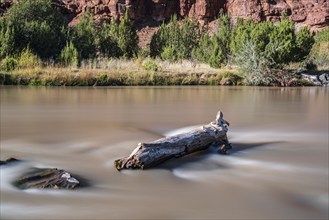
51	178
8	161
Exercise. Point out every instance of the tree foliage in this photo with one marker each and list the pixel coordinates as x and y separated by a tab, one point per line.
69	55
126	37
39	26
303	44
215	50
35	24
174	41
279	43
107	40
83	36
320	50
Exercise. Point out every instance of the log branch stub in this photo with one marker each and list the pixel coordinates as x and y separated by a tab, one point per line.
150	154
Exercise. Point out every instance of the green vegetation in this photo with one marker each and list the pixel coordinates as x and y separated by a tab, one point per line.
257	49
34	24
83	36
173	41
37	25
34	35
28	60
69	55
8	64
319	55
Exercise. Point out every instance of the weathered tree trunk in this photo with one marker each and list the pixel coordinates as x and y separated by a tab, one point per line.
150	154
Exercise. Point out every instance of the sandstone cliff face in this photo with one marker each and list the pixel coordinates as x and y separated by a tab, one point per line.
312	13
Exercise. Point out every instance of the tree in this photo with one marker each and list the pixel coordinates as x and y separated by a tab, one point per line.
282	41
260	34
107	40
320	50
303	44
116	40
158	40
35	24
215	50
175	42
224	37
188	38
240	34
69	55
127	38
83	36
7	40
203	51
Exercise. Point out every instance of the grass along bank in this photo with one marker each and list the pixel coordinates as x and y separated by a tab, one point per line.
119	72
135	72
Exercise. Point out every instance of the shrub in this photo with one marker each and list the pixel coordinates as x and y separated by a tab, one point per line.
28	60
320	50
254	65
303	44
143	53
169	53
282	43
278	43
240	34
69	55
260	34
151	65
8	64
217	57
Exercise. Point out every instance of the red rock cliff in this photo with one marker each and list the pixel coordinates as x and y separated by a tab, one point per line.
312	13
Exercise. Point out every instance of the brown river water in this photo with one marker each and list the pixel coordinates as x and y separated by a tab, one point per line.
277	169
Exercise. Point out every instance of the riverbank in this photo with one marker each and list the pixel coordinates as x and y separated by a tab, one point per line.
119	72
139	73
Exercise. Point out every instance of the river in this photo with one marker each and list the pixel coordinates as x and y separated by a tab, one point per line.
277	169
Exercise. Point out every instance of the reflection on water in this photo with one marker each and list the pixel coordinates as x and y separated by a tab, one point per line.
278	167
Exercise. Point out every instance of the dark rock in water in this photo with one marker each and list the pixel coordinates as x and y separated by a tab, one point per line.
51	178
8	161
321	80
324	78
312	79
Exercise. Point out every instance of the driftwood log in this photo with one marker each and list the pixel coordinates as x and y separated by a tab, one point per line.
150	154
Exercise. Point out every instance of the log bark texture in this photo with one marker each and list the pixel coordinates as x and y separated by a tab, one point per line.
150	154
